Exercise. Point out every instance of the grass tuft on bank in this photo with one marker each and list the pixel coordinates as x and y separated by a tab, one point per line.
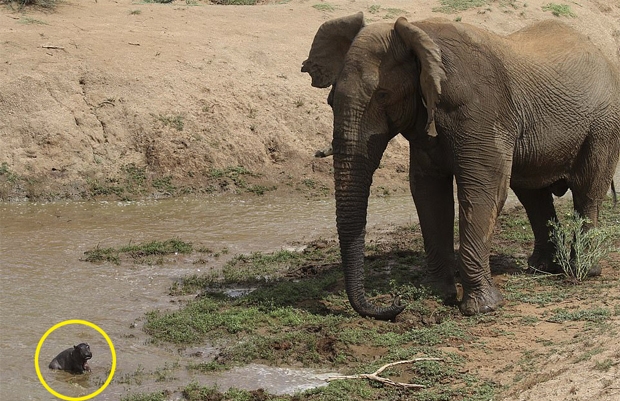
148	252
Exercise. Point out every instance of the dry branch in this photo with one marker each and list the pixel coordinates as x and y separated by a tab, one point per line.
375	376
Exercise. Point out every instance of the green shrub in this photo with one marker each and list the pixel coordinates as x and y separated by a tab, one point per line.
577	249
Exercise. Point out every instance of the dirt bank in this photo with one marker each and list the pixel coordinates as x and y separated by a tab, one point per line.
127	100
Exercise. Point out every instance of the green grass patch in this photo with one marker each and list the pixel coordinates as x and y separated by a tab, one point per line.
537	290
209	318
192	284
261	267
156	396
515	226
529	320
235	2
374	9
164	184
140	253
326	7
233	172
391	13
559	10
7	174
167	247
596	315
176	122
131	183
236	176
260	189
587	355
99	255
454	6
196	392
388	12
31	21
604	365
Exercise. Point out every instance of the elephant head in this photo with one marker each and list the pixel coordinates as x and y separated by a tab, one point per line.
386	80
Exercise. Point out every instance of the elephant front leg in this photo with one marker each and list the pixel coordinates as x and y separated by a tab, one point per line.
434	200
481	198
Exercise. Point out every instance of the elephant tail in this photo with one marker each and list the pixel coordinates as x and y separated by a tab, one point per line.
613	193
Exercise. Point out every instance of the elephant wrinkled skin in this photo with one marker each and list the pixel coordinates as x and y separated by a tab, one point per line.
537	111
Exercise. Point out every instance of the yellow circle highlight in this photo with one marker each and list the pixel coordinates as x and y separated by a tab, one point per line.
65	323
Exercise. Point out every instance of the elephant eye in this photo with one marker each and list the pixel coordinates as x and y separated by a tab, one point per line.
382	96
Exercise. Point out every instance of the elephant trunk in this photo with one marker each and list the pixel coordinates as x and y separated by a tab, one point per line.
353	178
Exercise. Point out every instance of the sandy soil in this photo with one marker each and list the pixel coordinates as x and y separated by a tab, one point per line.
179	90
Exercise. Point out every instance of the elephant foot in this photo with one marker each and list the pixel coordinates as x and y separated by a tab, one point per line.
445	288
481	300
543	262
595	271
546	264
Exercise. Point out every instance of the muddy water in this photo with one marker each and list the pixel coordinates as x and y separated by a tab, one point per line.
43	282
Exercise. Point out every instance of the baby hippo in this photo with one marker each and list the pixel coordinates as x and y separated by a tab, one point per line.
74	359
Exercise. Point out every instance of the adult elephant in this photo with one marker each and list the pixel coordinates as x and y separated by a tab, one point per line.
538	110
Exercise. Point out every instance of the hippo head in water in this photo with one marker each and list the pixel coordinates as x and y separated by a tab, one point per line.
83	349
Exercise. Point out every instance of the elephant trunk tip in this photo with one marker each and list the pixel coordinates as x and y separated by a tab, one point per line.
388	314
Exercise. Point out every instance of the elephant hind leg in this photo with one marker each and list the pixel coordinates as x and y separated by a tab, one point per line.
588	204
539	207
593	171
592	174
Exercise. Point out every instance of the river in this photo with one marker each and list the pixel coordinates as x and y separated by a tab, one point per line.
44	282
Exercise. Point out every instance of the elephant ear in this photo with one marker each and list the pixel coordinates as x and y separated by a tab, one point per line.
431	67
331	43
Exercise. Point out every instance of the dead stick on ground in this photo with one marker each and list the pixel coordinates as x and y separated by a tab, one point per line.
53	47
375	376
